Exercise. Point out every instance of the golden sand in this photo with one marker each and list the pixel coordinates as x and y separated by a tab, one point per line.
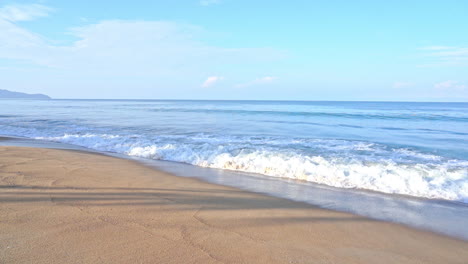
60	206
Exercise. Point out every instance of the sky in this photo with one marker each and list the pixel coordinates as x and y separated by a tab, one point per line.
236	50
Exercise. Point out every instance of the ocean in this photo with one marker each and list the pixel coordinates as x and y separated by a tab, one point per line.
403	148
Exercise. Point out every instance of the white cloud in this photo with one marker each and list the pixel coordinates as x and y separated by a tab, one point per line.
24	12
266	79
209	2
402	85
258	81
210	81
446	55
128	47
450	85
144	55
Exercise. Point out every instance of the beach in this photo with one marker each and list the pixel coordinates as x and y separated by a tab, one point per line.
65	206
181	132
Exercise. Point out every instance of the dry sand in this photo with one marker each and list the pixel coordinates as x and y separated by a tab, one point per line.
59	206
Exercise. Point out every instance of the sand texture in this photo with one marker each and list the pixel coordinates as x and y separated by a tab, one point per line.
61	206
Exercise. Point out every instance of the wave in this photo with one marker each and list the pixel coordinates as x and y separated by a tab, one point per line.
360	116
337	163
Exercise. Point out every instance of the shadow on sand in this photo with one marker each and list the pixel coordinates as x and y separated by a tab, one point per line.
169	199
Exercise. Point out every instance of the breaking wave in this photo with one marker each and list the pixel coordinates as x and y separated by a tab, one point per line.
337	163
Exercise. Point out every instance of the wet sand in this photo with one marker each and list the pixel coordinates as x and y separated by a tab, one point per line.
63	206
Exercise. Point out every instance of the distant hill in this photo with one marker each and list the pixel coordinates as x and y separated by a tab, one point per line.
5	94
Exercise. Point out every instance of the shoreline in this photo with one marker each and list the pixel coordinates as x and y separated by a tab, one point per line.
409	211
61	205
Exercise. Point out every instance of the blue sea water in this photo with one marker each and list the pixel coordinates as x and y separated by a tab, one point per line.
416	149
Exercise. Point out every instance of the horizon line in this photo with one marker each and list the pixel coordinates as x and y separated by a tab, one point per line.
252	100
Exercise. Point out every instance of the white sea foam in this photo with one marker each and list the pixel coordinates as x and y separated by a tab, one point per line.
405	148
427	175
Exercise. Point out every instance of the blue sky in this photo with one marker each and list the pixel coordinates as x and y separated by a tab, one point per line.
227	49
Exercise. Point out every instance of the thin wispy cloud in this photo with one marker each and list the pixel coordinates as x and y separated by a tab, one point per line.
446	55
119	46
399	85
24	12
212	80
209	2
160	52
258	81
450	85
